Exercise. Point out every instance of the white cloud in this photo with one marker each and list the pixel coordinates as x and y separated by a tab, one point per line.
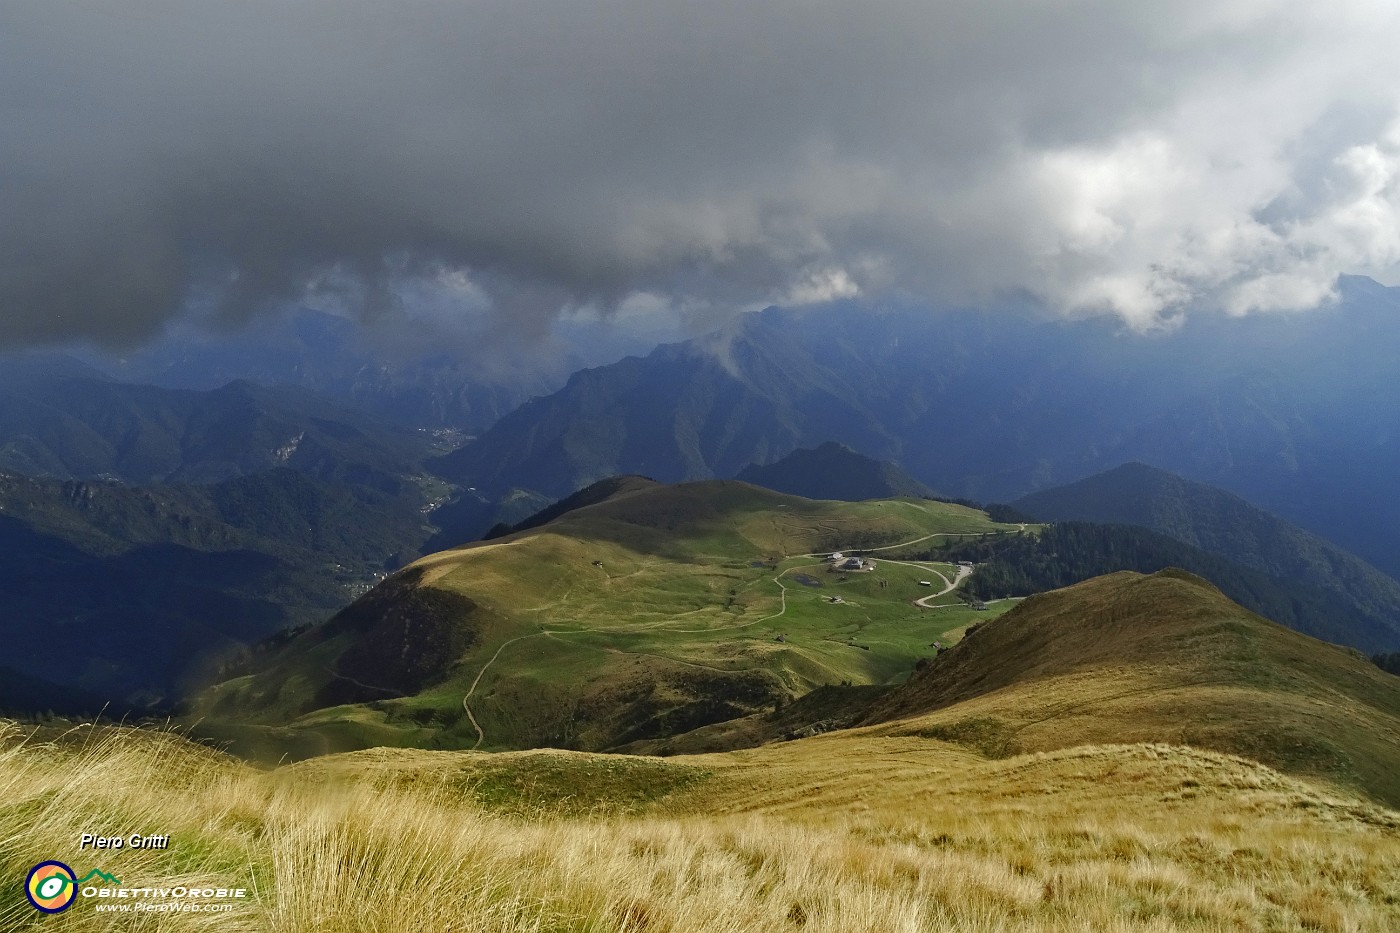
826	285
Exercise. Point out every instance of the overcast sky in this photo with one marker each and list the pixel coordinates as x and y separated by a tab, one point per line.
530	156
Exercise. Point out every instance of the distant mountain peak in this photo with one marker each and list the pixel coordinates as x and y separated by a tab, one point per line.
833	470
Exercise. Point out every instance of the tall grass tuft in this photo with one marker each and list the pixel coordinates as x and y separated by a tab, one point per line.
321	853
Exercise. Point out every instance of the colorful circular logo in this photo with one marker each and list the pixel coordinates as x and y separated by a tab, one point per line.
51	887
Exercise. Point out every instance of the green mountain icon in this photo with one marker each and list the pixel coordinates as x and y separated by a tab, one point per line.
98	874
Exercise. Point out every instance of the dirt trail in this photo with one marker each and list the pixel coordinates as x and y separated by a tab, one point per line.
480	735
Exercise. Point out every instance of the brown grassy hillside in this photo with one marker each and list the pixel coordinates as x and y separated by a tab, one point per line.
845	833
1159	658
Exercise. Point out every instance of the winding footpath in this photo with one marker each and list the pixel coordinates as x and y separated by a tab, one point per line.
480	735
782	602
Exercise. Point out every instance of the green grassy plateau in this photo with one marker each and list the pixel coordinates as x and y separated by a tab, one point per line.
656	612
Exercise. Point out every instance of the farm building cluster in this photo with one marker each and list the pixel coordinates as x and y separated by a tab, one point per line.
839	561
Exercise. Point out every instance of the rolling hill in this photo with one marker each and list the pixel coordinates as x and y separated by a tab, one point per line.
592	494
1090	760
649	613
1133	752
1167	658
1066	553
1215	521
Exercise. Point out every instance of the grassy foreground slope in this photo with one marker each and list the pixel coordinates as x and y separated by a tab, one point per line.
1020	782
1158	658
657	611
838	834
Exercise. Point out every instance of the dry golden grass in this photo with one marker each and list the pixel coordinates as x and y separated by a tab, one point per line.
1159	658
843	833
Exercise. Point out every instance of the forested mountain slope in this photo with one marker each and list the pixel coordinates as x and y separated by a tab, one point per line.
83	427
144	587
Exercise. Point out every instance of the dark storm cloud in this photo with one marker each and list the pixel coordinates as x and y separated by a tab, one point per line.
1100	155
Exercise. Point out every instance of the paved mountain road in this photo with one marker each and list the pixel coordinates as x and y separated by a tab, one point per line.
959	577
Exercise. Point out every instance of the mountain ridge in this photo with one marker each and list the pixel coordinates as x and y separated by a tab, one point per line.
82	428
1159	658
1221	523
148	584
992	407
